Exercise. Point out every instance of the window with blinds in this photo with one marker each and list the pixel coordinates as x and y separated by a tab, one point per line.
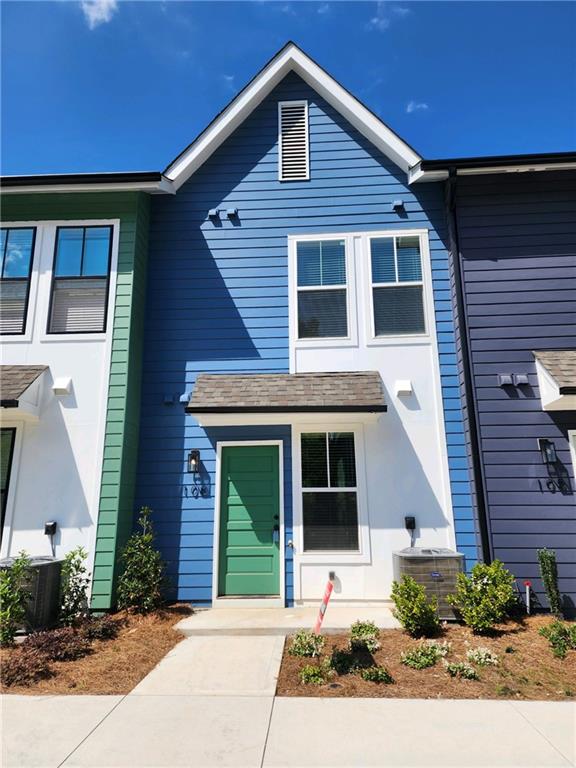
322	289
293	150
397	287
80	282
16	250
329	492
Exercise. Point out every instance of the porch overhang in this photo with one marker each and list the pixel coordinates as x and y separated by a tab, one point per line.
556	369
20	391
242	399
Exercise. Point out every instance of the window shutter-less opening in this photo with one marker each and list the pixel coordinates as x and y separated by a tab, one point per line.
293	141
79	306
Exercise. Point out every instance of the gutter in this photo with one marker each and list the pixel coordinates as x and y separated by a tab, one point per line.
153	182
477	466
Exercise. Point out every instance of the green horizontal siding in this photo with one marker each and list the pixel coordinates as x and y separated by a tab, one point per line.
123	408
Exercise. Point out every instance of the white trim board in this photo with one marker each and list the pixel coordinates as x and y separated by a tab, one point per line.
290	59
240	602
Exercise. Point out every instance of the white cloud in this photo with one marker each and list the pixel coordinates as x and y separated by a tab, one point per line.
324	8
384	14
416	106
98	12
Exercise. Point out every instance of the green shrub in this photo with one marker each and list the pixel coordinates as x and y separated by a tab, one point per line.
417	614
561	636
14	595
376	674
74	587
484	598
62	644
549	573
306	643
24	667
482	656
423	655
461	669
364	636
100	628
140	585
314	674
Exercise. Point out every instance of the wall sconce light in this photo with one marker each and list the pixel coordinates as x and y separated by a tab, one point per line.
194	461
547	451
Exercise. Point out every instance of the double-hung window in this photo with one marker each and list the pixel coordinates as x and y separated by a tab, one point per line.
16	251
80	282
329	492
397	286
322	289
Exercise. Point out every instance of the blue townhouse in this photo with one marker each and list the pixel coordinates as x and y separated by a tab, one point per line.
300	390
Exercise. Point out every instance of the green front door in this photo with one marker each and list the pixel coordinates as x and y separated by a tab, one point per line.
249	553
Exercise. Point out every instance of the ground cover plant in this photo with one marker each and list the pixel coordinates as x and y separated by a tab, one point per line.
561	636
485	597
424	655
461	669
306	643
364	636
526	668
415	612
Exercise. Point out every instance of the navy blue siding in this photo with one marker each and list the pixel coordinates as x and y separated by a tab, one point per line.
518	245
218	298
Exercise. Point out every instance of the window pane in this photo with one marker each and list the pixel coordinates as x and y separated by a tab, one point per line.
314	460
322	262
409	263
330	521
78	306
69	252
96	251
18	253
398	310
13	295
342	462
322	314
382	255
3	233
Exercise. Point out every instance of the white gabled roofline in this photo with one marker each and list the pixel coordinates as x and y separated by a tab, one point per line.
290	58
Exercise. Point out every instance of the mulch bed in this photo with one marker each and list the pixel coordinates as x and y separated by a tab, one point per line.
113	666
527	668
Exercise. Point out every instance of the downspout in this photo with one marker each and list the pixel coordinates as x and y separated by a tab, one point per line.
477	467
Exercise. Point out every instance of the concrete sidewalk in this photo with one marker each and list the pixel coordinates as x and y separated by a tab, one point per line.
210	702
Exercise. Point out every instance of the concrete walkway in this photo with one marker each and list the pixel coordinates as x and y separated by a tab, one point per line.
210	702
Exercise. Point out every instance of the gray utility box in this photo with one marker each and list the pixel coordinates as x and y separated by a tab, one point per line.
43	584
436	568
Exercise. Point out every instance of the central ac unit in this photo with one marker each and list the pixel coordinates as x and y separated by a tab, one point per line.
435	568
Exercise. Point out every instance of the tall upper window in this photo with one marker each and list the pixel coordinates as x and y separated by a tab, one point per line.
397	287
322	291
16	250
329	492
293	151
7	436
80	280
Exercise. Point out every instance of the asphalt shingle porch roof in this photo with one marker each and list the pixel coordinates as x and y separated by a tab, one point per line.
561	365
360	391
15	380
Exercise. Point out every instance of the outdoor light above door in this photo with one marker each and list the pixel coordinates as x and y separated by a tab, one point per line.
194	461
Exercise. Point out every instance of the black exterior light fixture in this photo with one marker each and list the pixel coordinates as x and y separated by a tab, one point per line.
194	461
547	451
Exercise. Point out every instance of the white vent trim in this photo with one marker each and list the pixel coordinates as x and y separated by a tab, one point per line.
293	141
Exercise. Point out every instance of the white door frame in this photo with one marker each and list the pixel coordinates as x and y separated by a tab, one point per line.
239	602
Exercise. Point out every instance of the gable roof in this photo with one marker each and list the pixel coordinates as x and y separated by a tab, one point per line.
15	380
290	59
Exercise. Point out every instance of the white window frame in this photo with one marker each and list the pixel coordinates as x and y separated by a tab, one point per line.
293	102
334	557
351	339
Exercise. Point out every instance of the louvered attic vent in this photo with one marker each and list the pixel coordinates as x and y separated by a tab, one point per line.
293	160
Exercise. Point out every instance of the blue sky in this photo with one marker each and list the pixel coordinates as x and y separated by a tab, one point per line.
108	85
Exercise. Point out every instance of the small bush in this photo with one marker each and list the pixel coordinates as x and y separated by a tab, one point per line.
14	595
100	628
364	636
306	643
417	614
482	656
24	667
140	585
74	587
63	644
422	656
561	636
461	669
484	598
376	674
314	674
549	573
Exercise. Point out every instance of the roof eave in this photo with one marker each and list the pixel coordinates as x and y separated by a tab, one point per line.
287	409
151	182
